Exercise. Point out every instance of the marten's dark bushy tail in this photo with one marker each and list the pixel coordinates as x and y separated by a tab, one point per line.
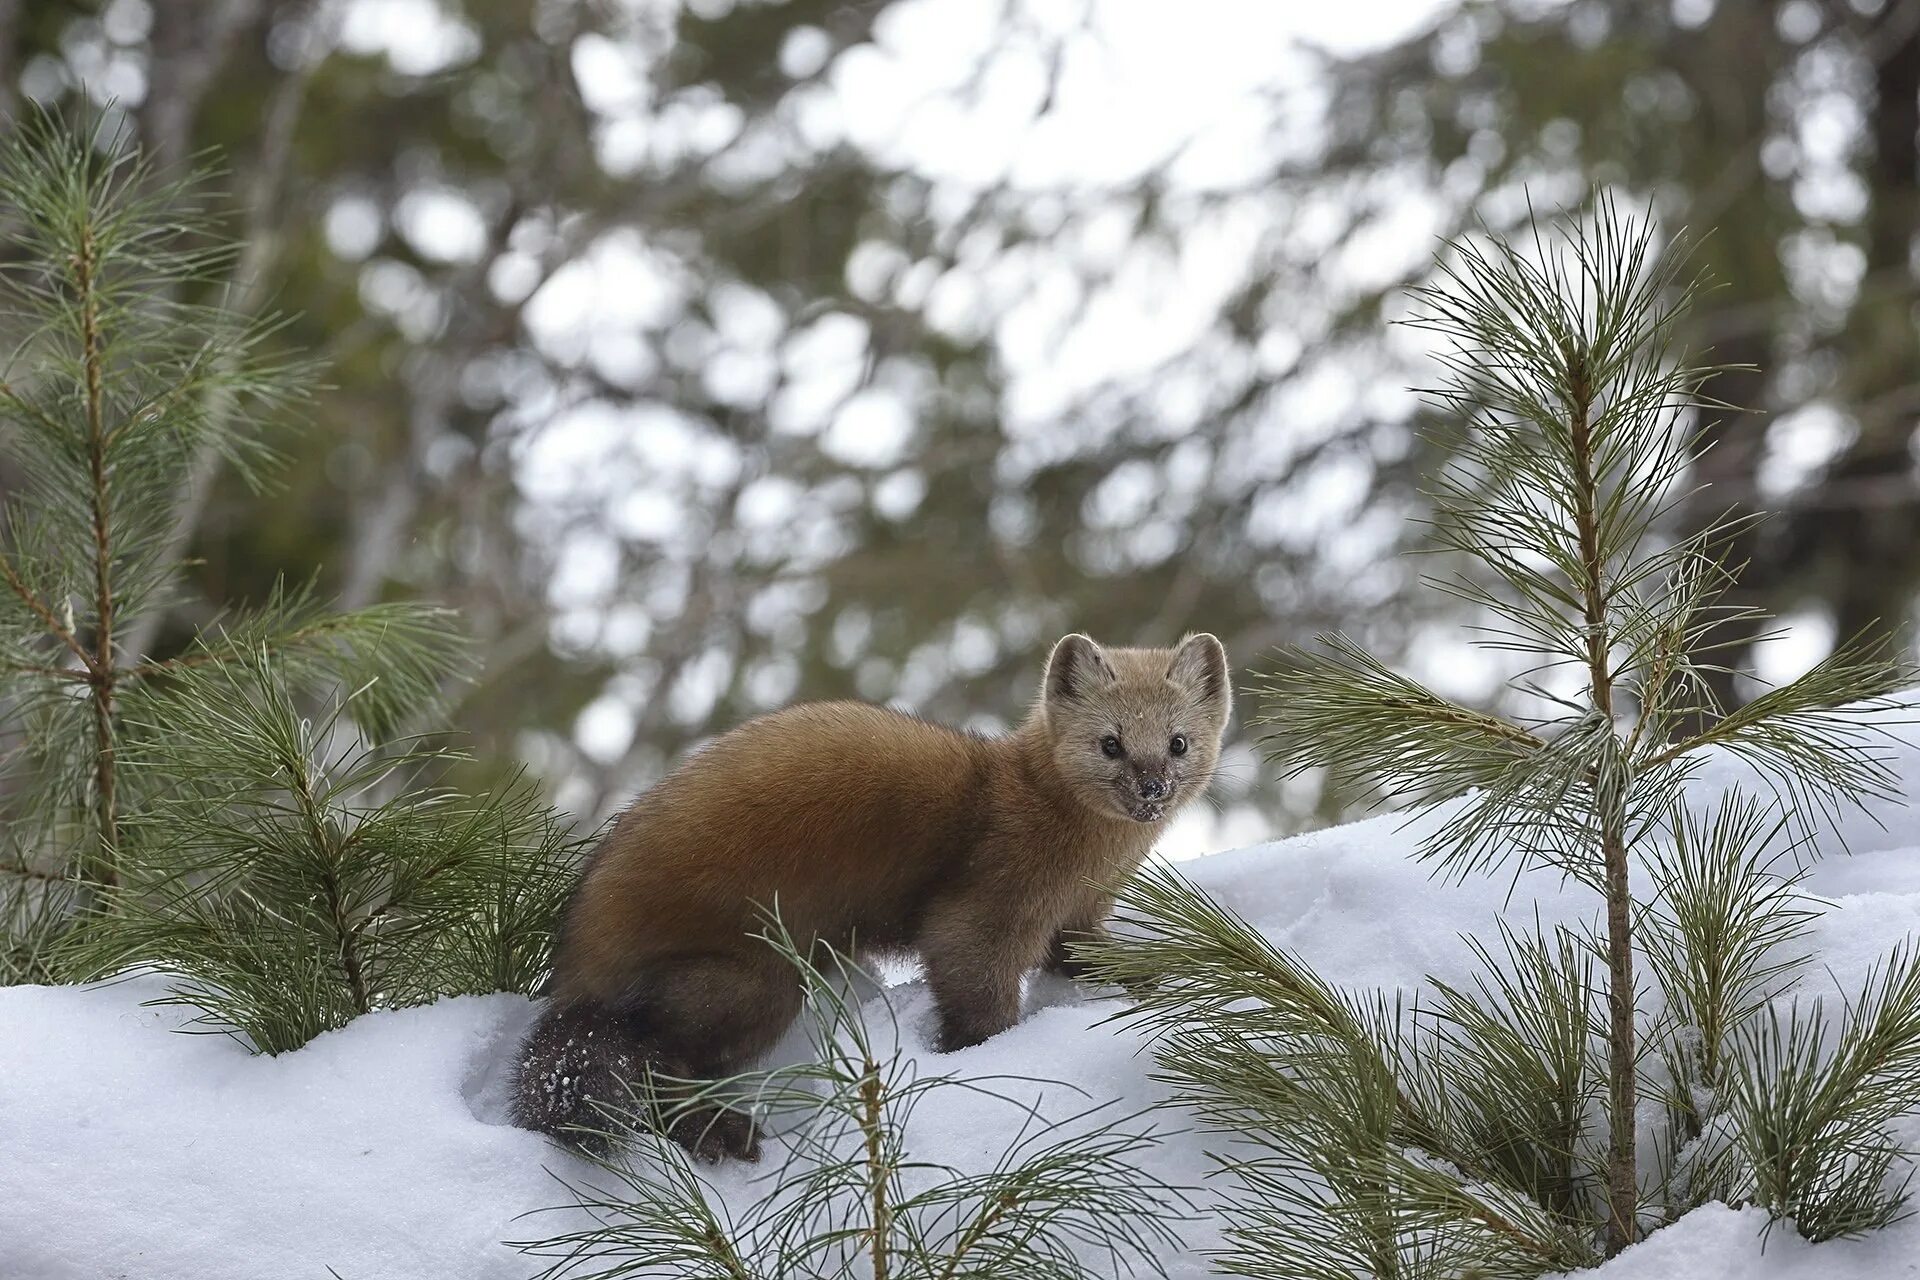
583	1071
577	1055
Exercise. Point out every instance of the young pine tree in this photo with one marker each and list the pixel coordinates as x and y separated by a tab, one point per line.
1066	1198
1496	1129
245	814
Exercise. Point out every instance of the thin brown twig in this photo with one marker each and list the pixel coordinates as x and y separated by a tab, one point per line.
25	872
207	657
11	576
49	673
995	1209
325	836
29	408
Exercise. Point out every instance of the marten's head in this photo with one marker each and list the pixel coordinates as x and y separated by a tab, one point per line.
1136	732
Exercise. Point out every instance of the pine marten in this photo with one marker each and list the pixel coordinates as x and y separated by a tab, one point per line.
873	830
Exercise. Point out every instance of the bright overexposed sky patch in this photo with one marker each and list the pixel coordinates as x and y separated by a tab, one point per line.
1079	98
951	91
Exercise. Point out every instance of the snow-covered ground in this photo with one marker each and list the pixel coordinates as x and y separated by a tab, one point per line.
380	1151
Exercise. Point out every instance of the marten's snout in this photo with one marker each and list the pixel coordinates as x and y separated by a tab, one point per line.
1151	792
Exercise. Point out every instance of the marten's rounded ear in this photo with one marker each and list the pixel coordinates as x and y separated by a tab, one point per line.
1077	665
1200	663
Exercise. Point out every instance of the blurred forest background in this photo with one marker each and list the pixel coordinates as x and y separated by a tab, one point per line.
710	354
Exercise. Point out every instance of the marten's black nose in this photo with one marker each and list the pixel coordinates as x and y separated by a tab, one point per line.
1154	788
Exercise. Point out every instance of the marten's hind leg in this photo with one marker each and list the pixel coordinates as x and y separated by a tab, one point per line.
696	1018
715	1015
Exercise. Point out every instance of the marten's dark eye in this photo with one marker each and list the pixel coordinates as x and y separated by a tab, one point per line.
1111	746
1178	745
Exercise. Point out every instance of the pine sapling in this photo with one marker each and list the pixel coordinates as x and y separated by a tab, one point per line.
1573	454
251	815
124	363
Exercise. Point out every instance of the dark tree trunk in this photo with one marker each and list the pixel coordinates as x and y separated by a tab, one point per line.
1866	509
1739	330
1733	441
1848	540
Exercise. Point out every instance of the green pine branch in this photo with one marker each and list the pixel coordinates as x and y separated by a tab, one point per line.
1814	1105
1431	742
1358	1152
294	872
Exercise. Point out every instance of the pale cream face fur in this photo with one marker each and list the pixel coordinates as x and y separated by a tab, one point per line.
1136	732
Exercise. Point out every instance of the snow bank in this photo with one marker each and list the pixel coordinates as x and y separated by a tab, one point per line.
380	1150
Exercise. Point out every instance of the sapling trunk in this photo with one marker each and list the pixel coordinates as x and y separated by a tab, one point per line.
1622	1102
879	1171
1609	789
101	670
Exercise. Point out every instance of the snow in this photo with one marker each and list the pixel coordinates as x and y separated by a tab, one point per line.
381	1151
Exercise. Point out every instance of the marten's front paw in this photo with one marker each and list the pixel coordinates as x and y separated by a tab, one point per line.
957	1034
951	1040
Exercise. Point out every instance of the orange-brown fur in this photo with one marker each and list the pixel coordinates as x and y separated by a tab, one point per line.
872	831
